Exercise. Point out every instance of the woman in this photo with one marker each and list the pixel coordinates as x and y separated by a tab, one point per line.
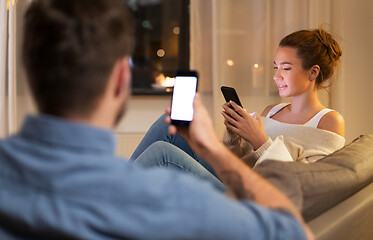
302	130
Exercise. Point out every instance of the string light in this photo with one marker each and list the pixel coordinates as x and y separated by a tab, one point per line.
161	53
176	30
230	62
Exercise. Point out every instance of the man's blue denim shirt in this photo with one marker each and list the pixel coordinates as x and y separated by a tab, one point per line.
60	179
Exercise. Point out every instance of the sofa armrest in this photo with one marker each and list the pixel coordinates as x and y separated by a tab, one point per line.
350	219
316	187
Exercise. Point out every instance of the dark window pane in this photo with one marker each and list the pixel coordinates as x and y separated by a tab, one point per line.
162	44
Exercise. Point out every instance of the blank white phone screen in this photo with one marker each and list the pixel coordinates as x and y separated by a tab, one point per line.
182	100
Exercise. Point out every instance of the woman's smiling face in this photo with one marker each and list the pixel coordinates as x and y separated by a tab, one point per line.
290	77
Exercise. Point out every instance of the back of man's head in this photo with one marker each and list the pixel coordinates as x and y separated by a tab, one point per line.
70	48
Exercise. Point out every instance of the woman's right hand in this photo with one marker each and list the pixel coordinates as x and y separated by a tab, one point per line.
238	121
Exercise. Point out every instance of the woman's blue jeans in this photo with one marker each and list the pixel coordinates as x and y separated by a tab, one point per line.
159	148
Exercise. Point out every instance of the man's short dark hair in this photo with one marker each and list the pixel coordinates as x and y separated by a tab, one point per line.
70	48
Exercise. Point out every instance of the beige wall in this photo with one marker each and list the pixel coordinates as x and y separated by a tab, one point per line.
353	94
141	113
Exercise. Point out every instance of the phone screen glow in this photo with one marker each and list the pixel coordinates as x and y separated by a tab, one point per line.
182	100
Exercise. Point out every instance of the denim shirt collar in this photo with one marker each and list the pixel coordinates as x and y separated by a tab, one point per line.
55	130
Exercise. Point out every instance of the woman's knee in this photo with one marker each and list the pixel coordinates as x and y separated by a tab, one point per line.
168	155
157	154
159	125
164	151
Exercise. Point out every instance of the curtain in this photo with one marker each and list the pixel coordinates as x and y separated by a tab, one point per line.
15	100
233	43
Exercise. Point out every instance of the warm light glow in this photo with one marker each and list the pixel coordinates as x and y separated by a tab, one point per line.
8	3
170	82
164	81
257	76
230	62
161	53
176	30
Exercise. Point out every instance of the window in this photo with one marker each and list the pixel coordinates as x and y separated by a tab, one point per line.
162	44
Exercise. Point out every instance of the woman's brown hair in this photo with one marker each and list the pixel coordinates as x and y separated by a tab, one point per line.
315	47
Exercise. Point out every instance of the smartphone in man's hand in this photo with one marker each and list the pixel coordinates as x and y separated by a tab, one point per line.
182	97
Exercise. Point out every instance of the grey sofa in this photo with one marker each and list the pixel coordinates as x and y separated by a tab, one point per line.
350	219
335	194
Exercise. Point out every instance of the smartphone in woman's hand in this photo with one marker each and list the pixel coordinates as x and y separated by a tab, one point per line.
229	94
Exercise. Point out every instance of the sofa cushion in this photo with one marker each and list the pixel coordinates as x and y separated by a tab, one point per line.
316	187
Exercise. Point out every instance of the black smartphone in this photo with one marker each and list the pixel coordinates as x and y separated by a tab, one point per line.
182	97
230	93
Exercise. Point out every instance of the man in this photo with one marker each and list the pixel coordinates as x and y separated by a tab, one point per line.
59	177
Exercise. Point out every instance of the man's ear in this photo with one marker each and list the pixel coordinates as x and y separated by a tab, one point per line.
123	77
315	70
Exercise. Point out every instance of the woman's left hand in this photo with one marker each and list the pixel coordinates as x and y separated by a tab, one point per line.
238	121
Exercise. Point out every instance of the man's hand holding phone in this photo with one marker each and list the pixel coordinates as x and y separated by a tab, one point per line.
200	133
188	116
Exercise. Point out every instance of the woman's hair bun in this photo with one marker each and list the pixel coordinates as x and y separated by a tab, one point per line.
332	46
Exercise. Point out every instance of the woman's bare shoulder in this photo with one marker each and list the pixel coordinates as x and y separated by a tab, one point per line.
334	122
267	109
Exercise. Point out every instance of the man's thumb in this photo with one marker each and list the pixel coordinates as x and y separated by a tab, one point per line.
197	100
